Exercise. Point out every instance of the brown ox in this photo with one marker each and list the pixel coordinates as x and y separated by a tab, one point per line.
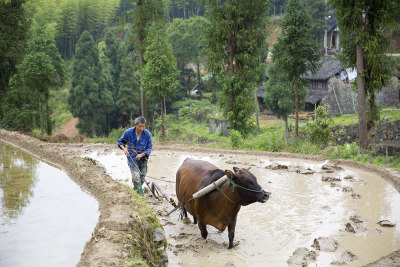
217	208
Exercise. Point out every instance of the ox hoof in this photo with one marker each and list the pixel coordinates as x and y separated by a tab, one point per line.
231	246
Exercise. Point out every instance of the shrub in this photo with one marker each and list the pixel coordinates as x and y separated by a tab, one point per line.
318	130
348	151
185	113
269	142
195	110
116	133
173	128
235	138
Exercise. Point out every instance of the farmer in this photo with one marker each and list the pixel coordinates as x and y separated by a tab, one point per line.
136	144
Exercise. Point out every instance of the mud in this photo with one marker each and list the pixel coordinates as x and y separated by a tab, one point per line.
274	230
186	247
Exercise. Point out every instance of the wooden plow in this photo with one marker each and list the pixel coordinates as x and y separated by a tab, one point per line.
156	189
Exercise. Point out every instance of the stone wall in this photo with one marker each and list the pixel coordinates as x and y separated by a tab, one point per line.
342	99
217	126
389	96
385	136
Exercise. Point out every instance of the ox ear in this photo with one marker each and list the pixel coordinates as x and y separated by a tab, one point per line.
236	169
229	173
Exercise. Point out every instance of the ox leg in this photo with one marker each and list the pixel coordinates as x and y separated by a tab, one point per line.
203	230
183	214
231	233
194	219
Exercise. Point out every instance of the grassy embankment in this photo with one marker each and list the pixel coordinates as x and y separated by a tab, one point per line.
143	249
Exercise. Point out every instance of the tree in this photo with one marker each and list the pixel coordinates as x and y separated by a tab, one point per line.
89	98
20	108
41	69
42	41
72	17
67	30
14	25
317	11
185	36
363	28
128	100
37	72
185	9
235	34
146	13
278	6
295	51
111	52
318	131
160	74
279	94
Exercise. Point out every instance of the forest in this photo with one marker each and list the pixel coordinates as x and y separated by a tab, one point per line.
106	62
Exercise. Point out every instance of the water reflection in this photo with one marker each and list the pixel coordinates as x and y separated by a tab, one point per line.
45	218
17	177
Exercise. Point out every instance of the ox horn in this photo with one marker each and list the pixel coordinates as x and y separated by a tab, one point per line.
229	173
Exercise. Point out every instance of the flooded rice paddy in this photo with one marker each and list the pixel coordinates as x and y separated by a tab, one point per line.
302	208
45	218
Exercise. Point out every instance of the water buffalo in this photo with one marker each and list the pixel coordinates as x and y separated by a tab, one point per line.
218	208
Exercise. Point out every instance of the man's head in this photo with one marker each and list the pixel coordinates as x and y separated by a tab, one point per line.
140	124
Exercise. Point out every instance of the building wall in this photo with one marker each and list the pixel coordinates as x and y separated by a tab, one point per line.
340	97
319	85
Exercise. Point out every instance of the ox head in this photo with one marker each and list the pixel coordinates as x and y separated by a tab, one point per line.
250	191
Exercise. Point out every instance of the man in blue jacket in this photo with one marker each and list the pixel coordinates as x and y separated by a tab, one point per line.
136	144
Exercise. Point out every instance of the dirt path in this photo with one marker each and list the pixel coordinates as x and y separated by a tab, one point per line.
106	247
69	129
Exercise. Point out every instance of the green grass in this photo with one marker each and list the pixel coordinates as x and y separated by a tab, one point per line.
387	114
186	129
59	105
390	114
345	120
59	100
270	139
189	102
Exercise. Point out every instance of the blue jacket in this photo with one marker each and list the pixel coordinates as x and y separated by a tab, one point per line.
135	146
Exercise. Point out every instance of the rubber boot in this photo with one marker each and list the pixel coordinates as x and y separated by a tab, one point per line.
140	188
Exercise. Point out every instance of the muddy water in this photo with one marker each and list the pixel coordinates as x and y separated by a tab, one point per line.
45	218
301	208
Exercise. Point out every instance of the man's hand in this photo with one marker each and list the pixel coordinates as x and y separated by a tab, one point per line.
125	150
139	156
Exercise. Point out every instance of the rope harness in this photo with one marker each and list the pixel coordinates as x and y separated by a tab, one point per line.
230	181
219	189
